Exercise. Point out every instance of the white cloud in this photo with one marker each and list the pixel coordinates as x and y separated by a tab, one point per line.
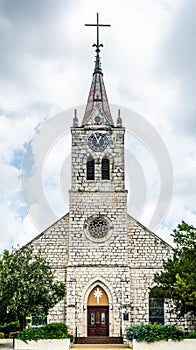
46	66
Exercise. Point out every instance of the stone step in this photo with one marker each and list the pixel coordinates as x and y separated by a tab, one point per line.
100	346
99	340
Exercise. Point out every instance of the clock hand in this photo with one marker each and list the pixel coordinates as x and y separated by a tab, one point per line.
99	138
96	138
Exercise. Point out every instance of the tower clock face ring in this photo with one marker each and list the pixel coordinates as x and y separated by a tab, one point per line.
98	142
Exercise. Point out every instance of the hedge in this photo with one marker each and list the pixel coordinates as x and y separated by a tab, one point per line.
49	331
154	332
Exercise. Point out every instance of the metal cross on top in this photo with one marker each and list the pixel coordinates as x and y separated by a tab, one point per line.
98	25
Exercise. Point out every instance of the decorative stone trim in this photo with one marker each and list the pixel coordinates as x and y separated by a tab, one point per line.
98	228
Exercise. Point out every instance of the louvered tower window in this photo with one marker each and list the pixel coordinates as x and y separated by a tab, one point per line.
105	168
90	174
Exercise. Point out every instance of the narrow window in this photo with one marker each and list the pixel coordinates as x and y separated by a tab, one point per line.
103	318
92	318
90	175
156	309
105	168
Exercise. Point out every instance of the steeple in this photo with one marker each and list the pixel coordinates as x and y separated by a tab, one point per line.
97	95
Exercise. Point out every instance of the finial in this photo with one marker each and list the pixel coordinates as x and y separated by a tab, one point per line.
97	45
75	119
119	120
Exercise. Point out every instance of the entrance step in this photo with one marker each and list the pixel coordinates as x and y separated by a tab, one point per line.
99	340
100	346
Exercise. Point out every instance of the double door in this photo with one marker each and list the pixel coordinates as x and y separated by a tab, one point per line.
98	321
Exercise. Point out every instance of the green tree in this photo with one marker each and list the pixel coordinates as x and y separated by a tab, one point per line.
27	285
177	281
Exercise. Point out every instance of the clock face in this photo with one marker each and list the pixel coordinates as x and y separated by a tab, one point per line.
98	142
98	120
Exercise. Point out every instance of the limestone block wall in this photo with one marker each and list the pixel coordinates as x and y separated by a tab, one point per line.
114	152
141	281
146	250
86	251
93	261
146	254
53	244
82	279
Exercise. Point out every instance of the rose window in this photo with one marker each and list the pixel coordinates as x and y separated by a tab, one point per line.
98	227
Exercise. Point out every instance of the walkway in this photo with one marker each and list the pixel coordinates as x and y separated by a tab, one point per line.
8	344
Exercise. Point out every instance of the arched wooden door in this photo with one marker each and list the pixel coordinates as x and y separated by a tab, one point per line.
98	313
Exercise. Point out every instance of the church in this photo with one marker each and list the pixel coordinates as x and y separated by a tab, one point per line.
106	258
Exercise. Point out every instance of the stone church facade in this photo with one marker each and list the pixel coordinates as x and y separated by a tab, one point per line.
106	258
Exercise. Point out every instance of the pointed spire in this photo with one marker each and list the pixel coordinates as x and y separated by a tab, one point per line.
119	120
97	95
75	119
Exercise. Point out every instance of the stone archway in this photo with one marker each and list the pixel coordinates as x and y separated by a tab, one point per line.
98	312
88	301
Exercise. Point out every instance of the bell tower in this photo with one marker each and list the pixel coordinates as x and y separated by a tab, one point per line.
98	246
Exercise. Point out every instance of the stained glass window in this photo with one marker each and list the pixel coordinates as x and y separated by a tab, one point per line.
156	310
98	227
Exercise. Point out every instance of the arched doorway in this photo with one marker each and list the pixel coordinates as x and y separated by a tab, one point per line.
98	313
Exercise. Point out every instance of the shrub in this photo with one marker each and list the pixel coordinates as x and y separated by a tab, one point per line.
49	331
7	328
1	335
191	335
154	332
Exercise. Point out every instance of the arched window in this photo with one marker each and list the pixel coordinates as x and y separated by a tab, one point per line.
90	169
156	308
105	169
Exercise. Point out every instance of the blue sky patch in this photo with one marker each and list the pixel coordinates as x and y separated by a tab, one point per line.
17	158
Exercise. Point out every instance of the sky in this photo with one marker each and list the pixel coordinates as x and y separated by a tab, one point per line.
46	66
